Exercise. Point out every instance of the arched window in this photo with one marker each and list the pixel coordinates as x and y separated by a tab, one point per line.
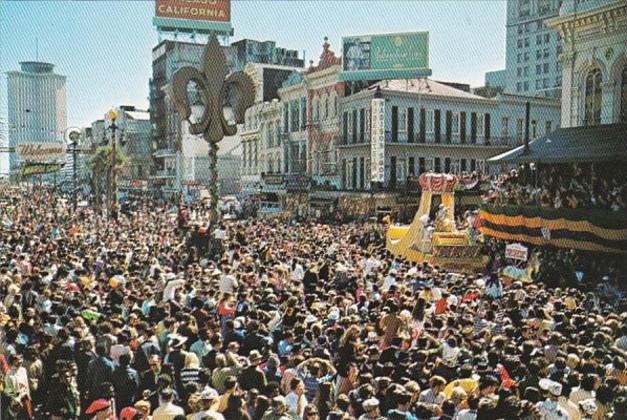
622	118
592	99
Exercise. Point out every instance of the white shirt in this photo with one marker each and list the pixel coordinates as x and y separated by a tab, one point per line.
167	411
170	289
388	282
292	401
228	283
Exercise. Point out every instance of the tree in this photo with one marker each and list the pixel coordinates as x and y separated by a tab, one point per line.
102	170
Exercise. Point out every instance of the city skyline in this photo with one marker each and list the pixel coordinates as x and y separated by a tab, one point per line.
104	48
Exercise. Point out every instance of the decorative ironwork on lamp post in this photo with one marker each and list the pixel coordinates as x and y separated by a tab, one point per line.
220	94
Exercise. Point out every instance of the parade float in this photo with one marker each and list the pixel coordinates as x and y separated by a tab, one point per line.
438	241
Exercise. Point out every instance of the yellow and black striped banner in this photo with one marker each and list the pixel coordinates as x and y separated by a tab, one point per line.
585	229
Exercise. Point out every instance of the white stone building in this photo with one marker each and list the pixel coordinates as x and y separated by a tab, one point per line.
594	61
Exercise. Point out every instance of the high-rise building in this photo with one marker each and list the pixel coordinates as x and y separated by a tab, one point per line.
532	50
264	52
36	106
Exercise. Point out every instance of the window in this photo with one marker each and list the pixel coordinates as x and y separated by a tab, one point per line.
411	166
526	42
545	83
518	72
520	29
455	123
538	39
303	113
326	107
294	116
538	69
592	98
524	8
518	87
545	68
538	84
518	58
505	127
429	121
402	119
548	126
534	129
526	86
622	118
538	54
480	121
316	111
519	128
547	38
546	53
526	71
519	43
526	56
436	165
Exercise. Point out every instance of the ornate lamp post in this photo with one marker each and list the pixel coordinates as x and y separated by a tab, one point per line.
218	107
113	181
72	138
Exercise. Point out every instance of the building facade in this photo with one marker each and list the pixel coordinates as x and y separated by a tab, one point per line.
594	61
264	52
36	106
324	90
532	50
429	126
181	164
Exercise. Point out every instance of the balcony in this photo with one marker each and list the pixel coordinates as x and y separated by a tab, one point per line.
165	173
161	153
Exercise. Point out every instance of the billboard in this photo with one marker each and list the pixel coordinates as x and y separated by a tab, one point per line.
40	152
385	56
516	252
200	16
377	146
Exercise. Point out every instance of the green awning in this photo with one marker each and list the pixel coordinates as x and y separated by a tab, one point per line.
603	143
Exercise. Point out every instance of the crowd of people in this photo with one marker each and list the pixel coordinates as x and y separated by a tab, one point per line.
128	319
572	186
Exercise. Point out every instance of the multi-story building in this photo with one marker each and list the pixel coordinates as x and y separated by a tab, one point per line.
430	126
531	50
134	138
36	106
324	90
181	162
594	61
264	52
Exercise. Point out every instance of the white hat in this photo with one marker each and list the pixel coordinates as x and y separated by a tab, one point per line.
588	406
370	404
553	387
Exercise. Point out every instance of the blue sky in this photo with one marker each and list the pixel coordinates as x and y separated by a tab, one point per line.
104	47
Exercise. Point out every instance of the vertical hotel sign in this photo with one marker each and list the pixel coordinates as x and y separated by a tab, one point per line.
202	16
377	145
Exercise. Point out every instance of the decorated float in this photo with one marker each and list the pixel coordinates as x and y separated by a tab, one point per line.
437	242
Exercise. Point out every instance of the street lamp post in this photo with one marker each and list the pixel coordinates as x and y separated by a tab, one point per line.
219	106
72	138
113	187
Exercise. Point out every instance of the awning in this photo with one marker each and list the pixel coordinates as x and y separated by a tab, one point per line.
603	143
